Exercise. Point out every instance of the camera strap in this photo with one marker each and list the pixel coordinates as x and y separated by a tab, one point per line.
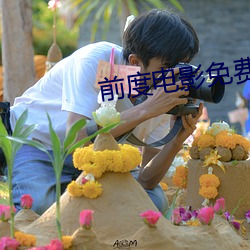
131	138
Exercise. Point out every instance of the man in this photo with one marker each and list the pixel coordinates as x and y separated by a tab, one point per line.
155	40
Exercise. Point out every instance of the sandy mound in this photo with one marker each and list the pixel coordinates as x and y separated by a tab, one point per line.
234	184
117	223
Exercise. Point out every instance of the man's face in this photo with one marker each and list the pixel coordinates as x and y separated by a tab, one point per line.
155	64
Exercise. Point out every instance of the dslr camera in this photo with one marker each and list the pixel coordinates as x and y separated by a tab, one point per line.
211	90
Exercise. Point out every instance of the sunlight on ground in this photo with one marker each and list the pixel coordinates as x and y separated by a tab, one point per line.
3	193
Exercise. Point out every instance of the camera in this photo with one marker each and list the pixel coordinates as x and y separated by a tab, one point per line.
210	90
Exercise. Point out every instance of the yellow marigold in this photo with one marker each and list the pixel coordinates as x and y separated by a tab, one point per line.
193	223
123	160
225	139
75	189
209	180
67	242
206	141
195	141
131	157
27	240
208	192
180	177
92	189
242	141
164	186
83	156
93	169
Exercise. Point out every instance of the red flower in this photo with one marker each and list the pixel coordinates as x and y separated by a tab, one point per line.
26	201
219	206
8	243
206	215
150	217
86	218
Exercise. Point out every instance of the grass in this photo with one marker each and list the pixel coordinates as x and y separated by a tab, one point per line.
4	193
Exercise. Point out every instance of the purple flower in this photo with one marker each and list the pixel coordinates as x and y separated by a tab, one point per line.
195	214
236	224
248	216
228	216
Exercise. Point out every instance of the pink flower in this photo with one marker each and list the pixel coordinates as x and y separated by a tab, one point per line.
5	212
206	215
84	180
176	217
86	218
54	4
8	243
26	201
219	206
150	217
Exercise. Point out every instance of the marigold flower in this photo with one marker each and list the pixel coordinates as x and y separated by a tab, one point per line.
150	217
209	180
164	186
219	206
206	141
206	215
26	201
86	218
226	140
193	223
208	192
93	169
242	141
180	177
24	239
98	162
92	189
75	189
67	242
8	243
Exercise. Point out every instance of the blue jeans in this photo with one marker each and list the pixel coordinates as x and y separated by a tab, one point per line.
33	174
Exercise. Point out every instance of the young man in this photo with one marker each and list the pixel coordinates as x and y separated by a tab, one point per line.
67	92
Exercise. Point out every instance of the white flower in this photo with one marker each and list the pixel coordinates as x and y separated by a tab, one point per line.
217	127
128	21
107	113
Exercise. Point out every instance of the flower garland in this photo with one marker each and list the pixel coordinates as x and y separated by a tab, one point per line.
208	186
95	163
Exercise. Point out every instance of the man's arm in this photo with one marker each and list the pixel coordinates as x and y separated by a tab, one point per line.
152	172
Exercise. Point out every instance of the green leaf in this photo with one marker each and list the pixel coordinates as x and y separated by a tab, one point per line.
56	147
5	144
85	140
71	136
172	207
35	144
20	123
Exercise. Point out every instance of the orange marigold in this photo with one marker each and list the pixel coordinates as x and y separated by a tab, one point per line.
208	192
226	140
206	141
180	177
209	180
242	141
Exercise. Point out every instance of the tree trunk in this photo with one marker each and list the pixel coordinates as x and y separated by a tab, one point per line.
17	47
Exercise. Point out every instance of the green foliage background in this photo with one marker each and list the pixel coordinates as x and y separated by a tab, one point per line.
42	19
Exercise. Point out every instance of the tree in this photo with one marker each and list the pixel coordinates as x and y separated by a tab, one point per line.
17	47
103	9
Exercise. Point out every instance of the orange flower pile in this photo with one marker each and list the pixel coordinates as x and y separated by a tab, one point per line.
180	177
208	186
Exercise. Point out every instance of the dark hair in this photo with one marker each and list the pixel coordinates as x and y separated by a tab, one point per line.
159	33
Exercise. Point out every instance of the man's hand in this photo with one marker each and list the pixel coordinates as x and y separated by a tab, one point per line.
189	125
